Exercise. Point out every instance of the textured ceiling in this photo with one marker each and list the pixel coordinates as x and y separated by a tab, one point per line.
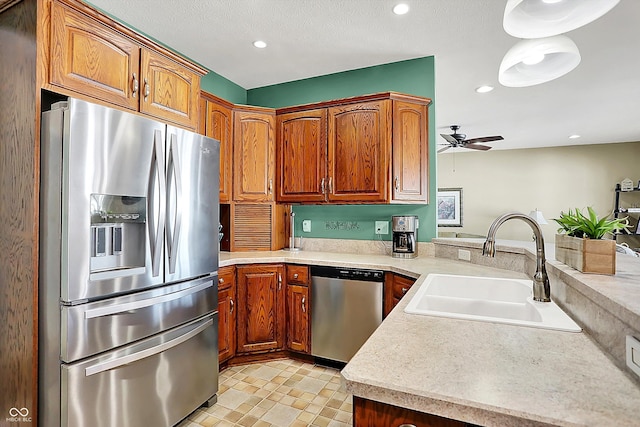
599	100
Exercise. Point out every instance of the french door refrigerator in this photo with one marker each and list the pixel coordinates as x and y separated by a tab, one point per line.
128	323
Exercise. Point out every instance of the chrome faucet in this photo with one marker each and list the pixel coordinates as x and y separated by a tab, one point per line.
541	288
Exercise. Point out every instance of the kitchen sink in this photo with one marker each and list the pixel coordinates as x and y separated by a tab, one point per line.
487	299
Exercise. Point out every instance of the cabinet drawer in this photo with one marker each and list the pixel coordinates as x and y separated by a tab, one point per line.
226	277
401	285
297	274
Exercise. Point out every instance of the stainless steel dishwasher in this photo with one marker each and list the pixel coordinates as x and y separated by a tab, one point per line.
346	307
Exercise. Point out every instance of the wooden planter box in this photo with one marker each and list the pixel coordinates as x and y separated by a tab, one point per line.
587	255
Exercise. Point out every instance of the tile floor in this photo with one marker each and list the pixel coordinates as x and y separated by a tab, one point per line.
279	393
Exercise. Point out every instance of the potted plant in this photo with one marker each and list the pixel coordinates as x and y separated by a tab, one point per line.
581	243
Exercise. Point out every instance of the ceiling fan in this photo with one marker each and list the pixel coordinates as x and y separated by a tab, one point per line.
460	140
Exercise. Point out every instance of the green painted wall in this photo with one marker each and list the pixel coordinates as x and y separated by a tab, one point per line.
224	88
415	77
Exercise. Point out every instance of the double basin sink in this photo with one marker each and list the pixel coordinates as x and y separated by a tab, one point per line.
487	299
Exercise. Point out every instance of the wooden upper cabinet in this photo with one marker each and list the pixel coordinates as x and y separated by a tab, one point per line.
410	152
302	156
168	91
253	155
261	308
91	58
216	122
359	147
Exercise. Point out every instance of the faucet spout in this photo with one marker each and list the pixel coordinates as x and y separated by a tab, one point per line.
541	288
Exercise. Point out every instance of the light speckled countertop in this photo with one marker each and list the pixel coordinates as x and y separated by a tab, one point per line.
478	372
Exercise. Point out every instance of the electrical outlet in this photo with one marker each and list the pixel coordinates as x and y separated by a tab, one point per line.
633	354
382	227
464	255
306	226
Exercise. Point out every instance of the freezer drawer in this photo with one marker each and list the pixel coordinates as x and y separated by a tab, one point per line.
92	328
155	382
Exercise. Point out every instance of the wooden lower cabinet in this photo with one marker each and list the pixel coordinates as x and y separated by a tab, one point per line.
395	287
369	413
260	308
226	313
298	305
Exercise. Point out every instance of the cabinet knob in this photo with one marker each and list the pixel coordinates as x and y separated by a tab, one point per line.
147	89
322	185
231	305
304	309
407	425
270	186
220	280
331	185
295	275
397	183
404	290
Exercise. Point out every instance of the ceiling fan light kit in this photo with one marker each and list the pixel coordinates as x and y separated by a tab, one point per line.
545	55
559	55
529	19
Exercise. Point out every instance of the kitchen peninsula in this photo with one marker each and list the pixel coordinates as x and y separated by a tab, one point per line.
492	374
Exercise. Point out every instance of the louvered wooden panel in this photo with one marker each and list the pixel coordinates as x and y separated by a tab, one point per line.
252	227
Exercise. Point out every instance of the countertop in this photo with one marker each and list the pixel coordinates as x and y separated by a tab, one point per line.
483	373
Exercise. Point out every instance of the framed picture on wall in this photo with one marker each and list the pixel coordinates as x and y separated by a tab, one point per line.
449	204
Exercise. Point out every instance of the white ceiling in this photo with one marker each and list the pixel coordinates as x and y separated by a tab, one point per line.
599	100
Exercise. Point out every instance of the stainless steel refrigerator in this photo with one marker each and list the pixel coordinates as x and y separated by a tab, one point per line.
128	323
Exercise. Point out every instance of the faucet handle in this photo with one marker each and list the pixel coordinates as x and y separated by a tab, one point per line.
489	248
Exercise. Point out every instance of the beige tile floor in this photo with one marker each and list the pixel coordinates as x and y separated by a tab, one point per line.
280	393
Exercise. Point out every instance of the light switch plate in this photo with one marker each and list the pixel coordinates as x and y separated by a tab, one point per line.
306	226
382	227
633	354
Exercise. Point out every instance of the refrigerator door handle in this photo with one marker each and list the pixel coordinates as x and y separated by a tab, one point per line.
131	358
174	171
155	230
135	305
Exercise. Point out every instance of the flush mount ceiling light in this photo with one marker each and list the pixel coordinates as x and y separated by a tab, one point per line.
259	44
401	9
528	19
535	61
484	89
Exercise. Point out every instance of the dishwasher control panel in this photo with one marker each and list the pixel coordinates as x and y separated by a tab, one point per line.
348	273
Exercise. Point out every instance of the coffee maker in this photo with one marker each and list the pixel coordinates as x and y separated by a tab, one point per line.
405	236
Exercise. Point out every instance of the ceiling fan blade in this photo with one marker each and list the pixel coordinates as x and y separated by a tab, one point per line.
449	139
477	147
484	139
444	149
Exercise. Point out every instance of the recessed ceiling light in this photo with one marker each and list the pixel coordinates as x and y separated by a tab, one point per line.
259	44
484	89
401	8
574	136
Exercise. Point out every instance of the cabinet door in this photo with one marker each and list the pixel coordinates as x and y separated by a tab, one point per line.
298	327
226	313
359	147
217	125
253	156
410	152
168	90
226	324
367	413
302	156
92	59
260	308
395	287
